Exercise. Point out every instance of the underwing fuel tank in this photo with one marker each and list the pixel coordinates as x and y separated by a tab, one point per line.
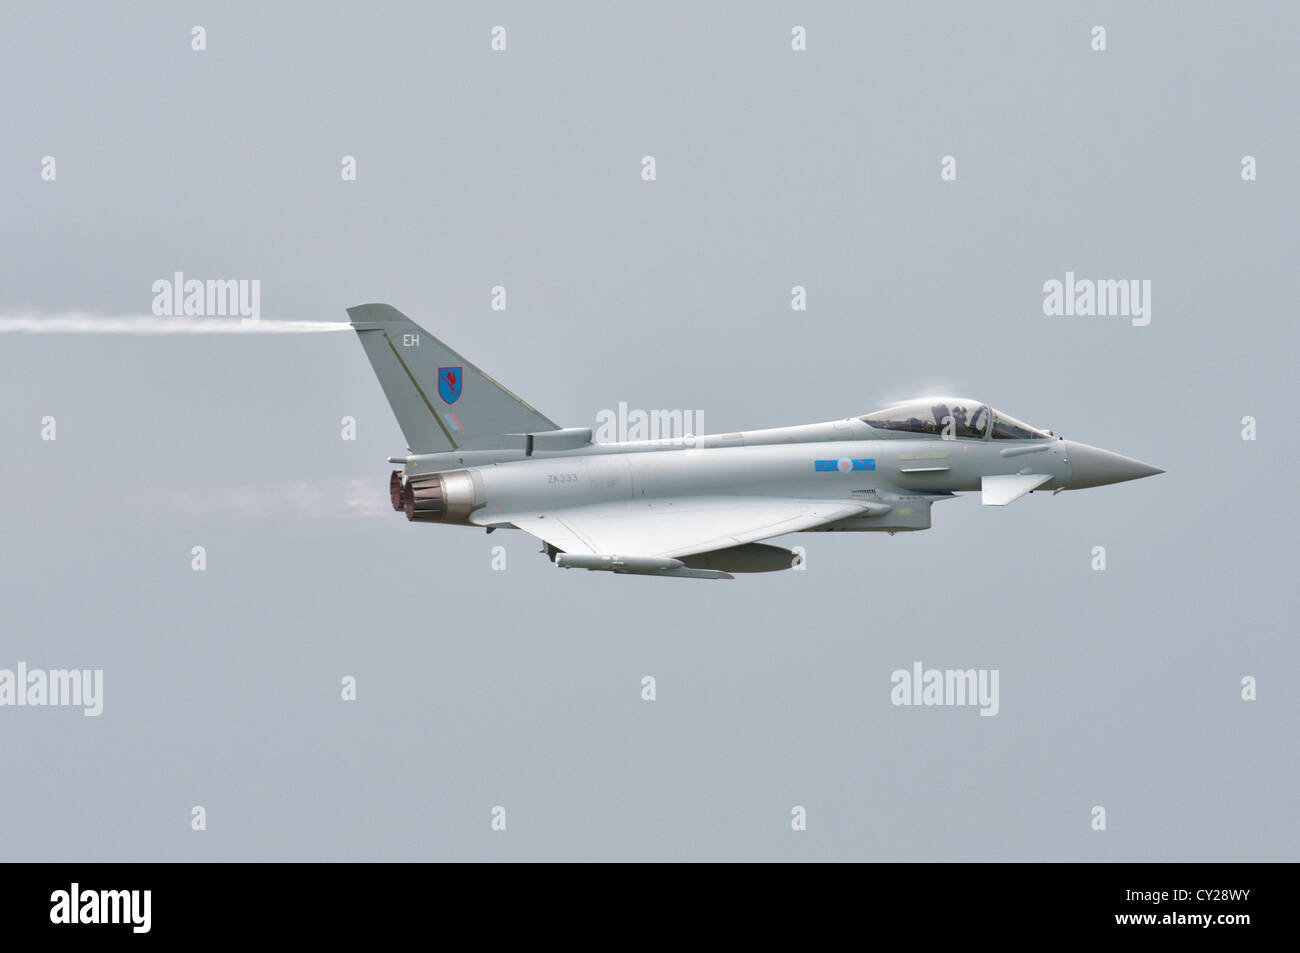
750	557
717	564
636	565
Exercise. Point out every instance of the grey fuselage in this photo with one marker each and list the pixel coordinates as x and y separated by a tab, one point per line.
697	507
896	475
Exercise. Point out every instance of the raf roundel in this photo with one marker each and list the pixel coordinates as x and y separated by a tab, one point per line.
843	465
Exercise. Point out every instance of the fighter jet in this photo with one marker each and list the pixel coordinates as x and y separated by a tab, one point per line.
695	506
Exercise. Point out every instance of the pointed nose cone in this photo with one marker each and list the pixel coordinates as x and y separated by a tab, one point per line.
1092	466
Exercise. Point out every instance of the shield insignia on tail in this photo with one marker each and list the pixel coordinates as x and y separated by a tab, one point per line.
449	383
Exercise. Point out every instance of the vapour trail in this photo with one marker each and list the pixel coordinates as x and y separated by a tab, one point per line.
85	322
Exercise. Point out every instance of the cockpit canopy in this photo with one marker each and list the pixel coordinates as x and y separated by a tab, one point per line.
939	416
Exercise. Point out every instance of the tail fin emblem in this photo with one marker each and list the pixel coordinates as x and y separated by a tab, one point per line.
449	383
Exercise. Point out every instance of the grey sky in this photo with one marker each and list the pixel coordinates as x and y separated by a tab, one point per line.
522	688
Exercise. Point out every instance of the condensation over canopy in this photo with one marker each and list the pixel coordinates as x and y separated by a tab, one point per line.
936	416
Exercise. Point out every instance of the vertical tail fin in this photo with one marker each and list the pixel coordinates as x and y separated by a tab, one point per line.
441	401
